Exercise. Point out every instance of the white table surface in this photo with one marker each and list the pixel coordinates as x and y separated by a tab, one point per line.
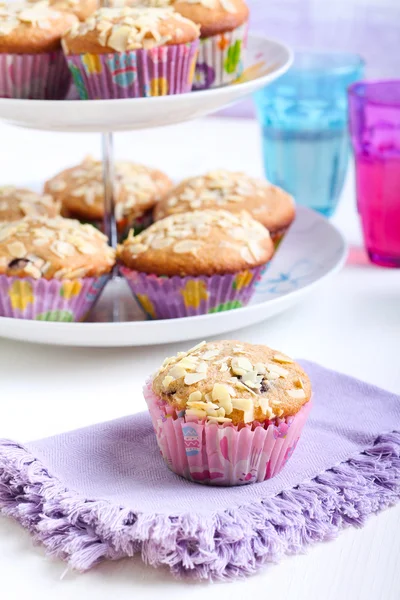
351	324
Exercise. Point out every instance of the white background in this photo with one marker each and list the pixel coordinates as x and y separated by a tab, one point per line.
351	324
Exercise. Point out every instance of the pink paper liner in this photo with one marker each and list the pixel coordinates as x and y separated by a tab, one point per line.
49	300
34	76
163	297
162	71
223	454
221	59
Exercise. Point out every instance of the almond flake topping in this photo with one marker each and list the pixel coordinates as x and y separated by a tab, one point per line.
297	393
282	359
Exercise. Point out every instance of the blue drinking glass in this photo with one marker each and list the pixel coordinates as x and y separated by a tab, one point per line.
304	119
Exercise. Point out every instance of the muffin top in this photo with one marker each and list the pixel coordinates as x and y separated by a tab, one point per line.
214	16
53	248
121	29
80	189
32	28
270	205
17	203
205	242
231	381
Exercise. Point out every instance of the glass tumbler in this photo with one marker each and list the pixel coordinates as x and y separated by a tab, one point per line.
374	108
304	121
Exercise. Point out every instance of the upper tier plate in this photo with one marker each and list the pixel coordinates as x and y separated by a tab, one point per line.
266	61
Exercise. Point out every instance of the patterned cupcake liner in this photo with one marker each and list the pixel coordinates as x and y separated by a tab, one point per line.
223	454
140	73
34	76
49	300
162	297
221	59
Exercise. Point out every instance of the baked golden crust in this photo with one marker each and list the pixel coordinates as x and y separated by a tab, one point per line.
206	242
17	203
214	16
232	191
80	190
230	381
119	30
32	29
53	248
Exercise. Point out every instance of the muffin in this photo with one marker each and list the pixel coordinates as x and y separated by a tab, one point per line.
267	203
17	203
132	52
51	269
32	64
223	26
228	413
80	191
196	263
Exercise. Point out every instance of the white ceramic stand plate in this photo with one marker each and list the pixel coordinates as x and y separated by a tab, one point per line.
266	60
312	250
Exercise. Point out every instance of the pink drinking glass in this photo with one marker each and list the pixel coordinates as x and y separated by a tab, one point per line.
375	132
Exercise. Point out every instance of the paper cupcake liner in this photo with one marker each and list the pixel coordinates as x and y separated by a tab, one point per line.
49	300
135	74
34	76
223	454
221	58
173	297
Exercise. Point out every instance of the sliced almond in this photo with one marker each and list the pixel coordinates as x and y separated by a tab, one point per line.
177	372
276	369
195	412
219	420
282	359
220	394
192	378
195	348
17	249
244	404
187	246
195	397
260	368
243	386
185	363
297	393
272	375
210	354
264	404
167	381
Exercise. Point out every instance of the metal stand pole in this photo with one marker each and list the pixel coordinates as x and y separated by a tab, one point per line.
110	227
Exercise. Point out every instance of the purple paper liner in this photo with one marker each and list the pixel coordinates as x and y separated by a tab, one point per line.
221	59
49	300
162	297
162	71
42	76
223	454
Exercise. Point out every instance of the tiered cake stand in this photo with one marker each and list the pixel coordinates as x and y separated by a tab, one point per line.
311	251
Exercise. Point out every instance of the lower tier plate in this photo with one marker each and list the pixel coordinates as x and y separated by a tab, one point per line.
312	251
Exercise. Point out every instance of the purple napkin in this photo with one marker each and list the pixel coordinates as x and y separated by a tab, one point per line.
104	492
